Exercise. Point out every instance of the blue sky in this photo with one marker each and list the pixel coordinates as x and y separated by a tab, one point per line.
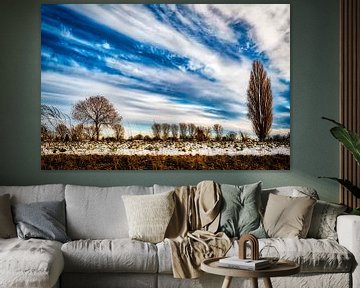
165	62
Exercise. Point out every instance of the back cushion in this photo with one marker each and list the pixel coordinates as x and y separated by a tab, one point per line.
163	188
98	213
36	193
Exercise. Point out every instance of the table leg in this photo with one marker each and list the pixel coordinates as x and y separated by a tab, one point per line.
254	282
267	283
227	282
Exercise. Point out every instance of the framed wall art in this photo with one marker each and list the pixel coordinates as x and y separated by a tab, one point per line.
165	86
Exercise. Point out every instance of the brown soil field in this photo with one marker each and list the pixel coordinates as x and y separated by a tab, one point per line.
164	162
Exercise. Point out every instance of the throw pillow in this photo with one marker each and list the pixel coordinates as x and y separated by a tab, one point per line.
323	222
43	220
149	215
240	213
7	227
288	217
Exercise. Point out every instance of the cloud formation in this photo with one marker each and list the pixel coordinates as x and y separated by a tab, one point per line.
166	63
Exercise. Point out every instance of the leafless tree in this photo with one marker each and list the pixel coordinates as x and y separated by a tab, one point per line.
207	133
119	131
62	132
219	130
231	136
165	127
202	133
52	117
138	137
174	131
191	130
259	98
96	110
183	130
244	137
89	132
156	129
46	135
77	132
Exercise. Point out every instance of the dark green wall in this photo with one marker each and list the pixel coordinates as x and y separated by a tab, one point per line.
314	93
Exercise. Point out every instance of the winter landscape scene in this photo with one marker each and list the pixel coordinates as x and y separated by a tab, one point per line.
165	87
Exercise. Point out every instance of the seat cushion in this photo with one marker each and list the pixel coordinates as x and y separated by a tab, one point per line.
117	255
313	255
30	263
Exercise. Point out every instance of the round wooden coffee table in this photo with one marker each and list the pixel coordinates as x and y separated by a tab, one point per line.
281	268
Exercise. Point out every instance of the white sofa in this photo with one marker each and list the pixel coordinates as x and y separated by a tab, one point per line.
101	254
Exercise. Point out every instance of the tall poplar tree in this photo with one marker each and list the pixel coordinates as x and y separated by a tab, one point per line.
260	101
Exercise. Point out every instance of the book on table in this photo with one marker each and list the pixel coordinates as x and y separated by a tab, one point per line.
249	264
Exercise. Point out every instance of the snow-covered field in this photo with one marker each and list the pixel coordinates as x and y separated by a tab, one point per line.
139	147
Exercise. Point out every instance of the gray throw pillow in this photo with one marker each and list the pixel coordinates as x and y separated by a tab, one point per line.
323	222
44	220
240	213
7	227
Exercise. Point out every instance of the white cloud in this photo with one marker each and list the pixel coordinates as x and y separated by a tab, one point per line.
270	27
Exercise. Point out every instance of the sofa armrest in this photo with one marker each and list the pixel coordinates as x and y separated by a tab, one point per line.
348	230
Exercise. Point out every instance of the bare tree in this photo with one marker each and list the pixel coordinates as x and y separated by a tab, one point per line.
165	130
191	130
156	129
62	131
96	110
119	131
231	136
77	132
183	130
244	137
174	131
89	132
259	98
219	130
207	133
52	117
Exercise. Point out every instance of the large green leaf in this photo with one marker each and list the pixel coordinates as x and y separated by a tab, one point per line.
348	185
348	138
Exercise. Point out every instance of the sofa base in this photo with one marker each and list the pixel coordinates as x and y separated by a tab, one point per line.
108	280
309	280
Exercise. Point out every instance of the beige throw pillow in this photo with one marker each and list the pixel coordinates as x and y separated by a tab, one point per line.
288	217
7	226
148	215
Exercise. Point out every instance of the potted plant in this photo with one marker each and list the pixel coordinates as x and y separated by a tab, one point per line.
351	141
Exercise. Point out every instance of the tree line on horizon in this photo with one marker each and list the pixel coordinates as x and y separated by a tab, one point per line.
96	112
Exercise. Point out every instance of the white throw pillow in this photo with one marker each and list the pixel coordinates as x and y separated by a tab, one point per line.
149	215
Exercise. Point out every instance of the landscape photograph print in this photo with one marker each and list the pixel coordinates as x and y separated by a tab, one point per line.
165	86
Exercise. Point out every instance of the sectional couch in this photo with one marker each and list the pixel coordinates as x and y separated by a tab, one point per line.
100	253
